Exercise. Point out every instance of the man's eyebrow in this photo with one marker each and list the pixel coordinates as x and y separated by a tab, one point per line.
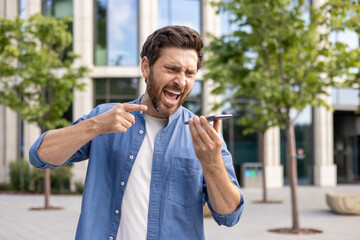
177	68
170	65
192	70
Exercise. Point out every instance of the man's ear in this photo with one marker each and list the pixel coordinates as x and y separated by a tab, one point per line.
145	67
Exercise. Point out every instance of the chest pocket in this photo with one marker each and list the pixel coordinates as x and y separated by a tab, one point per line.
186	182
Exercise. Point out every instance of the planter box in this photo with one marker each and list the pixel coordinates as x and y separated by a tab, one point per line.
342	204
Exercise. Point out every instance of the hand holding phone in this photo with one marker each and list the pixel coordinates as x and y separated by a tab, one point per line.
215	117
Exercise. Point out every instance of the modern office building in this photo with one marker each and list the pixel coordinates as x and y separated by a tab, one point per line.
108	34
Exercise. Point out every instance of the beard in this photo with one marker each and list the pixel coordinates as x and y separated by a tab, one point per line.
155	93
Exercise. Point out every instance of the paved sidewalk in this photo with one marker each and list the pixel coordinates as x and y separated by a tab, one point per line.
314	213
17	222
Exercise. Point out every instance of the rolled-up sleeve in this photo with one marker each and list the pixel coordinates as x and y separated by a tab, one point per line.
34	157
79	155
230	219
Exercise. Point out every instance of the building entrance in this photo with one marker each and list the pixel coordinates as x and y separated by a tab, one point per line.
347	146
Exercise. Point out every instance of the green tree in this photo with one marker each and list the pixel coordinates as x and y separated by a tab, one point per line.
36	80
280	56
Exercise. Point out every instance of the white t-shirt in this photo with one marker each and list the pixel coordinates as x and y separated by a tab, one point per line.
135	204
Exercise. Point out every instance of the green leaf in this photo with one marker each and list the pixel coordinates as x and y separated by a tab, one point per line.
279	58
35	80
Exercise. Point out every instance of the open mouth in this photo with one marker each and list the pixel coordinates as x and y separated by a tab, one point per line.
171	95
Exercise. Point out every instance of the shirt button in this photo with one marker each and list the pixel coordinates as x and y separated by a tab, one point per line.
111	238
131	157
116	211
141	112
122	183
141	131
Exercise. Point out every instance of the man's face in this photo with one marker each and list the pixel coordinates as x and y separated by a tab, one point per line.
170	80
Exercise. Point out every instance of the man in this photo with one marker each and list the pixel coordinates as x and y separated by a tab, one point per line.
149	174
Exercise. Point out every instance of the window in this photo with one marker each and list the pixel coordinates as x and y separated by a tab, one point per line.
116	32
345	96
22	9
242	147
225	22
347	37
193	102
120	90
59	9
180	12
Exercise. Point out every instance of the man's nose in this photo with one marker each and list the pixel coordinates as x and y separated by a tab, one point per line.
181	80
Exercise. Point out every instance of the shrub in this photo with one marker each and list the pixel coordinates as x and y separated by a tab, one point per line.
79	187
19	175
5	187
60	179
37	179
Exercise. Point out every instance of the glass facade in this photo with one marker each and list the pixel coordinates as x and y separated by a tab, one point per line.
22	8
119	90
346	146
116	33
244	148
59	9
180	12
345	96
348	37
304	146
225	25
193	102
346	138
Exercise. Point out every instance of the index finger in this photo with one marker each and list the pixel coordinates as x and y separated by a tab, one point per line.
134	107
212	130
217	124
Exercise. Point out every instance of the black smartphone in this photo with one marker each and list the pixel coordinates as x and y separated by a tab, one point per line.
215	117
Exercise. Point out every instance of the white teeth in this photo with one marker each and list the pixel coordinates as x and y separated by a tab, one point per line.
173	92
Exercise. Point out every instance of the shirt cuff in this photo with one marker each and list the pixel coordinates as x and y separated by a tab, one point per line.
34	157
230	219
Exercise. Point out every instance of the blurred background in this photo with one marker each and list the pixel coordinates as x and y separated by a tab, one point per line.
108	35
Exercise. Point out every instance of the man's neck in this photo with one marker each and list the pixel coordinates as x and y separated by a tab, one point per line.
151	111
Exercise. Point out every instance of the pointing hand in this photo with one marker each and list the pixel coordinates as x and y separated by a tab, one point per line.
118	119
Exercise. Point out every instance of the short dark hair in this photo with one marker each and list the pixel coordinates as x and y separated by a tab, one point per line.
172	36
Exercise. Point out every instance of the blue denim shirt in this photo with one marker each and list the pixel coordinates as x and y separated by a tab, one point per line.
177	189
